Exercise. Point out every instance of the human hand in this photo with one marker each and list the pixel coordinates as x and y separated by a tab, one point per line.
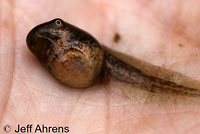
162	33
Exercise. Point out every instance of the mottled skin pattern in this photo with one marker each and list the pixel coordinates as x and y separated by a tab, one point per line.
76	59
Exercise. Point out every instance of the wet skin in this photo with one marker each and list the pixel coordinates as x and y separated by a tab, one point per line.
76	59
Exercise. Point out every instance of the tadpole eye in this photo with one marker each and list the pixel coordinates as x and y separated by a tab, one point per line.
58	22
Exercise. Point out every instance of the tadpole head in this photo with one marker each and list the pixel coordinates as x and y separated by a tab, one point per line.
40	40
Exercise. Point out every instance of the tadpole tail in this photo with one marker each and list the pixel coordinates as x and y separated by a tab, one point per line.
129	74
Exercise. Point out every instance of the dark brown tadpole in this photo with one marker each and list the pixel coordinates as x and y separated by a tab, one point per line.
76	59
71	55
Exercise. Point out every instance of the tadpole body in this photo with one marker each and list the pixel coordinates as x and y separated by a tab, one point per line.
77	59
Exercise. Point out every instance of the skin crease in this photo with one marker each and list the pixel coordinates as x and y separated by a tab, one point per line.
165	34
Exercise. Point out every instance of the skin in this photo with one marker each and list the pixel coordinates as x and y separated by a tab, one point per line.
156	32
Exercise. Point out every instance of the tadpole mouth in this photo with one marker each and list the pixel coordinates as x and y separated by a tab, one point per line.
39	43
30	39
37	38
